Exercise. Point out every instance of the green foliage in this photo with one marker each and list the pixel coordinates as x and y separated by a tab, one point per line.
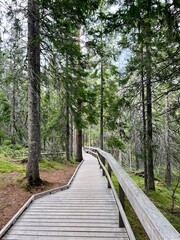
72	160
49	165
5	108
8	167
114	142
11	149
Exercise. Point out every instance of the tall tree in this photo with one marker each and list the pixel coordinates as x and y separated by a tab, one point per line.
34	143
167	145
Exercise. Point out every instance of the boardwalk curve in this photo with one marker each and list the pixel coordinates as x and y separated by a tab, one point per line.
87	210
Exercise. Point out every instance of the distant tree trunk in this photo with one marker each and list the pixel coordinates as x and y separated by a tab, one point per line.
71	137
79	137
144	124
67	128
102	109
79	145
151	184
34	145
167	146
67	114
13	114
136	156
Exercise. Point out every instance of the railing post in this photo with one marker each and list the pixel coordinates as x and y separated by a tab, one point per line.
103	162
109	171
121	198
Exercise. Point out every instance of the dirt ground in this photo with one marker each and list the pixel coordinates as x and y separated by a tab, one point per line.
13	195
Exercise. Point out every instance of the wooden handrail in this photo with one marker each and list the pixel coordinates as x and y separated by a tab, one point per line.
155	224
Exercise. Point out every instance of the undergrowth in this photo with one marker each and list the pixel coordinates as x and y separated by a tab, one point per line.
44	164
8	167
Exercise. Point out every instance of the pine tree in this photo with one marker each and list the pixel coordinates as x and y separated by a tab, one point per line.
34	142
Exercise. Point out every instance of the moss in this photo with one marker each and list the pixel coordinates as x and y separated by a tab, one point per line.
8	167
49	165
1	206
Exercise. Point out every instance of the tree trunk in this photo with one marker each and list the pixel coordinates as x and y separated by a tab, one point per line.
151	184
102	109
79	145
13	114
79	137
34	145
167	145
71	137
67	128
144	125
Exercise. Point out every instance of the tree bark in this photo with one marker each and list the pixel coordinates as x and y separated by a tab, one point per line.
71	137
144	125
149	139
167	146
34	145
13	114
102	109
79	137
67	128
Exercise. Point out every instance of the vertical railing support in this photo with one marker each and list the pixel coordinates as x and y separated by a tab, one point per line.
103	162
121	198
109	171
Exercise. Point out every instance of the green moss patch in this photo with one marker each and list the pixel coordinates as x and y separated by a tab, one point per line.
8	167
49	165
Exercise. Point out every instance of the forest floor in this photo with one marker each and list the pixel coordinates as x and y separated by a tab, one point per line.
13	194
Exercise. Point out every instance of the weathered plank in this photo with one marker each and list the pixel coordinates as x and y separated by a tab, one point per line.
55	221
60	229
18	237
67	234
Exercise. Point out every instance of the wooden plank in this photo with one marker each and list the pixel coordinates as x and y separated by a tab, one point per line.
75	213
68	229
72	211
18	237
97	222
91	217
67	224
68	234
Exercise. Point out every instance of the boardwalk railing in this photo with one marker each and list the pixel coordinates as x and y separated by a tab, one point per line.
155	224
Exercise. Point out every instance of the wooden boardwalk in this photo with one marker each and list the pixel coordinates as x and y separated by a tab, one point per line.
87	210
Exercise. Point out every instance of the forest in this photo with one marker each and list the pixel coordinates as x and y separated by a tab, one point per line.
101	73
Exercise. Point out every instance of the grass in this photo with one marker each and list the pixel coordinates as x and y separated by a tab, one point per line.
161	198
12	150
8	164
8	167
44	164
